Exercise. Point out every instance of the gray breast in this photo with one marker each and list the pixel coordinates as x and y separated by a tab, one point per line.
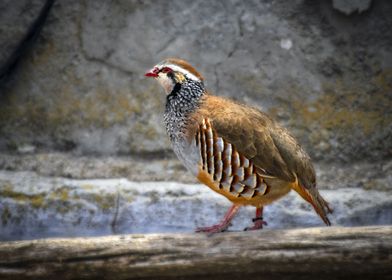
180	103
188	154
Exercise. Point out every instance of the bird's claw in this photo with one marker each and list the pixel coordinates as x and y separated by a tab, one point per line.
213	229
258	224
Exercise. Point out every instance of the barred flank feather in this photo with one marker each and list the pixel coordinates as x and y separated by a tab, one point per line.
233	172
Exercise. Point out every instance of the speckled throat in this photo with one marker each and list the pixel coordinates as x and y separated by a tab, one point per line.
182	101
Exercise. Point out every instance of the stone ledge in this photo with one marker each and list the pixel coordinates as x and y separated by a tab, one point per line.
33	206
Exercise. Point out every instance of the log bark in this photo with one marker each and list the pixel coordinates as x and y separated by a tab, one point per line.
314	253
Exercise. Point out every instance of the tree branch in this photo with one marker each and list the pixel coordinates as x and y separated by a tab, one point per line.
314	253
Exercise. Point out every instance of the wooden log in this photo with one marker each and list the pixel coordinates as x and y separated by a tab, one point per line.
314	253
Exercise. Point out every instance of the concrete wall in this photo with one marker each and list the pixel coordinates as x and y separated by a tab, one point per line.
322	68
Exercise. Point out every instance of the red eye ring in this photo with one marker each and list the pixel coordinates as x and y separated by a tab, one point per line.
166	70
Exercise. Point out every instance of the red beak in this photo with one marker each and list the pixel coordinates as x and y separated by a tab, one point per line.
152	73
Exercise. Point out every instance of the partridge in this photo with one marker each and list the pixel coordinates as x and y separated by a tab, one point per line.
236	150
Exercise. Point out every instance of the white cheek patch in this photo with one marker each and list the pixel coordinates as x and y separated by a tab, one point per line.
166	82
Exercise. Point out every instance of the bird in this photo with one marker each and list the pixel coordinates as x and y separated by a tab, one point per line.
236	150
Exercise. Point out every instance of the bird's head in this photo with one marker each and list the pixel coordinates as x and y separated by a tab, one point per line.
174	71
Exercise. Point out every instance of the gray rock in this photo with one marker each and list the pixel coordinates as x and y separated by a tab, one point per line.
82	88
15	19
21	34
370	176
33	206
350	6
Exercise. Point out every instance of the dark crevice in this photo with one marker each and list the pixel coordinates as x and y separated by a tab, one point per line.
25	43
113	224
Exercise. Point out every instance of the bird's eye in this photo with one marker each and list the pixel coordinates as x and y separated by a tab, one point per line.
166	70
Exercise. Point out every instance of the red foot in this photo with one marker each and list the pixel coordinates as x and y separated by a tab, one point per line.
257	225
224	224
213	229
258	222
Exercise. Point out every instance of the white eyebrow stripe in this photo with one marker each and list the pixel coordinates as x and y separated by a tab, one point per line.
182	70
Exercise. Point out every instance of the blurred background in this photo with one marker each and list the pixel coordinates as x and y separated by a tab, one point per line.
83	150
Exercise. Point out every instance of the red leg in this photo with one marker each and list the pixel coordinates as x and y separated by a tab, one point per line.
258	222
224	224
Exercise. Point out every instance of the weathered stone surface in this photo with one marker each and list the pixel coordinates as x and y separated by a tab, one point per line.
15	19
370	176
350	6
324	75
33	206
